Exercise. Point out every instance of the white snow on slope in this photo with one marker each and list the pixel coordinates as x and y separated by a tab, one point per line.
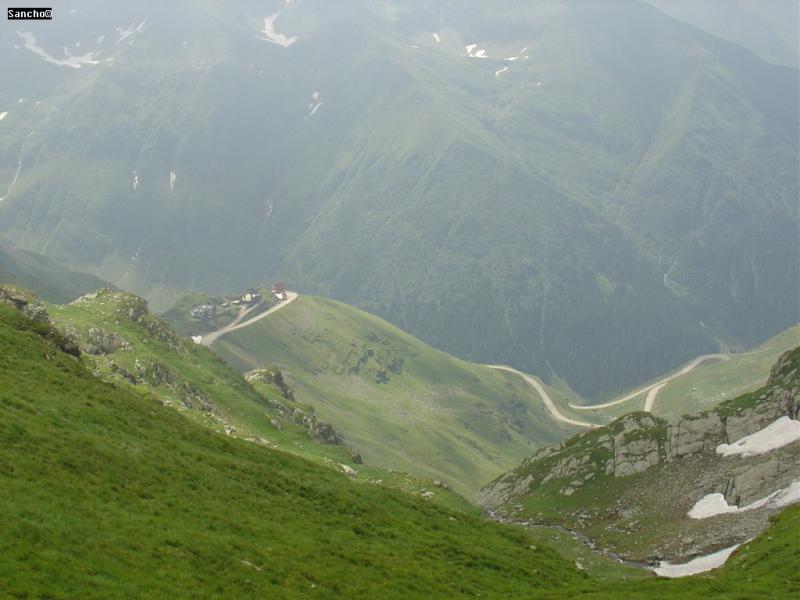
314	105
788	495
3	115
500	71
436	37
75	62
715	504
775	435
701	564
474	52
197	339
270	35
135	181
518	56
131	29
711	505
172	180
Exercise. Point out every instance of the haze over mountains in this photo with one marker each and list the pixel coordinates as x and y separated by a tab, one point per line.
591	191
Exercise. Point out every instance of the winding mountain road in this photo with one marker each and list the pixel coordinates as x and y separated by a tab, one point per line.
654	388
210	338
548	402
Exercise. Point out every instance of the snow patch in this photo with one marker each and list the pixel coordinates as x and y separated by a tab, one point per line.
520	55
709	506
314	105
270	35
436	37
100	38
3	115
124	34
788	495
268	211
172	180
135	181
197	339
500	71
74	62
474	52
715	504
701	564
776	435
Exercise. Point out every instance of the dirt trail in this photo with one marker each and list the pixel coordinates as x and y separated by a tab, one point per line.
548	402
654	388
238	323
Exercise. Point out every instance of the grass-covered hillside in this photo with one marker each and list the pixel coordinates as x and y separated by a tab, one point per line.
52	281
403	404
123	343
631	485
108	493
607	194
706	385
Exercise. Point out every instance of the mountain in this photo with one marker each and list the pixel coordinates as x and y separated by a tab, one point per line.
652	491
121	343
769	29
109	493
401	403
588	191
53	281
701	384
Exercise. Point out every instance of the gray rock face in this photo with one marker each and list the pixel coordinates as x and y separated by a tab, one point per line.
101	342
695	434
26	304
638	442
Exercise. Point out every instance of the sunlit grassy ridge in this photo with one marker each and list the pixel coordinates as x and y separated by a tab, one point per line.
191	379
402	403
109	494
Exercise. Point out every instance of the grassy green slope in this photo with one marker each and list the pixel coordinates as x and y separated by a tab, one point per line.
764	568
712	383
109	494
708	384
190	378
403	404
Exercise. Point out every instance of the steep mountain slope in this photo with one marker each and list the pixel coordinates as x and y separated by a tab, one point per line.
403	404
121	343
109	494
652	490
583	213
52	281
770	29
719	378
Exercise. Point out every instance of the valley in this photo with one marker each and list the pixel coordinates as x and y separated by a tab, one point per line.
400	299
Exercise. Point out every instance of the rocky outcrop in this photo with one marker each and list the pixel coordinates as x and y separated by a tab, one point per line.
318	431
637	479
37	319
25	302
639	441
100	342
133	308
